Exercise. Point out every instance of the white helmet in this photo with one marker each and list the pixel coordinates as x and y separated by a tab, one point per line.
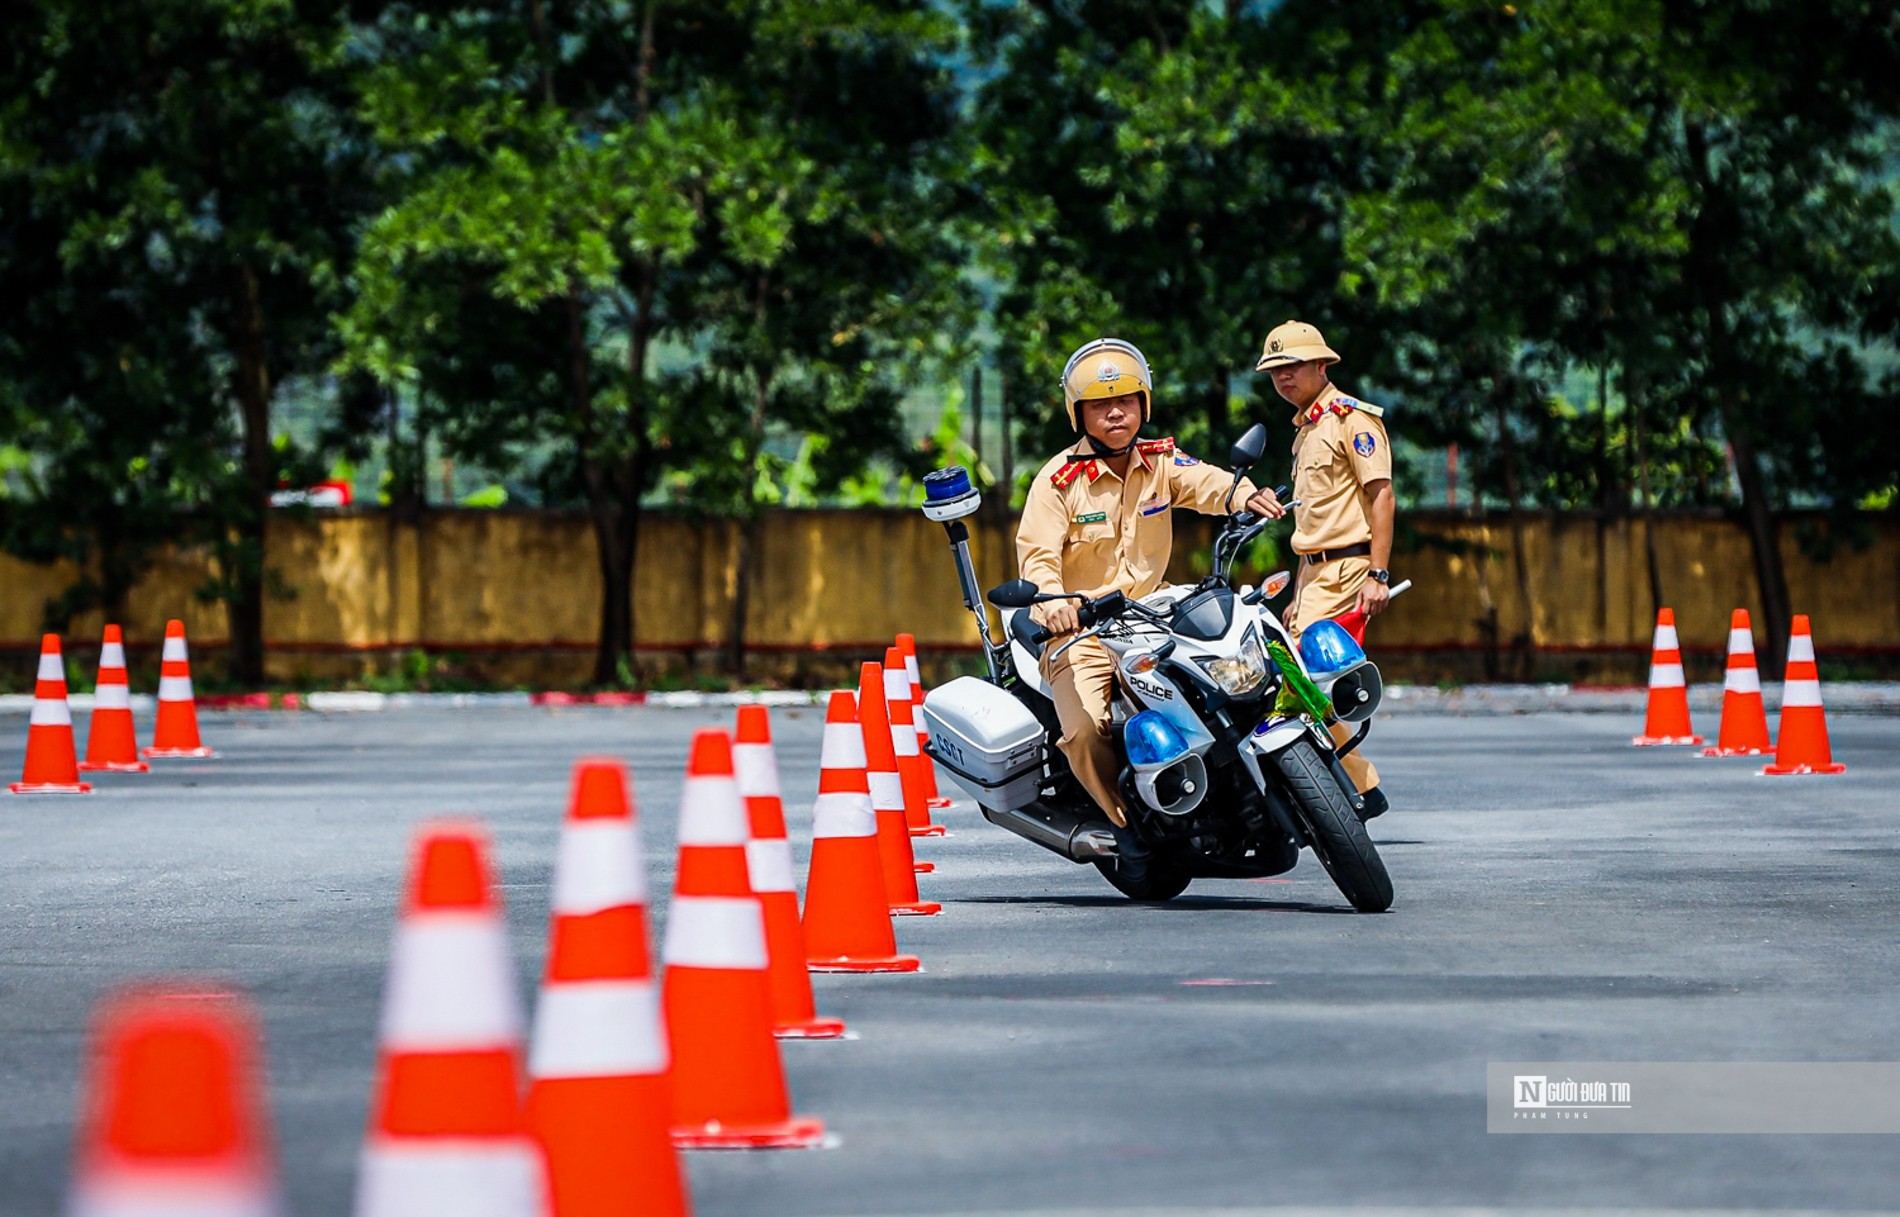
1107	367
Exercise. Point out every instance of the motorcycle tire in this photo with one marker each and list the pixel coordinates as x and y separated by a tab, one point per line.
1168	876
1339	839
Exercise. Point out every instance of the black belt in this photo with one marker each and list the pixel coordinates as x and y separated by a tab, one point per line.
1361	550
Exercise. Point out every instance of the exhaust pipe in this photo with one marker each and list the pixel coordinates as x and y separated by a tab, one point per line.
1056	830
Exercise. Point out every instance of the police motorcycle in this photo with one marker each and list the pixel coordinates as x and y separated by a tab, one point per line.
1229	770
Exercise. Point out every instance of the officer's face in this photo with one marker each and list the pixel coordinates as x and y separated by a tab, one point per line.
1299	382
1113	420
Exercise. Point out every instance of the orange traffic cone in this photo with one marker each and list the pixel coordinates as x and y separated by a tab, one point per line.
52	765
446	1137
1668	719
910	759
111	740
907	643
1802	745
601	1099
847	923
728	1083
174	1122
1744	720
887	800
176	732
769	867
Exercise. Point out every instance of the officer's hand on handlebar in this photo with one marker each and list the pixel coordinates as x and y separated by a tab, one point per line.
1058	617
1266	503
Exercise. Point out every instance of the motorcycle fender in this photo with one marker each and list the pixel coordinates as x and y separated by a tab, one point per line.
1278	737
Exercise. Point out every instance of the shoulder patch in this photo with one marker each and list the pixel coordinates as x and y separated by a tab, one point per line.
1182	458
1072	469
1363	443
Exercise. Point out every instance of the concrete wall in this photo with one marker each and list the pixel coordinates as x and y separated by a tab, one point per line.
515	594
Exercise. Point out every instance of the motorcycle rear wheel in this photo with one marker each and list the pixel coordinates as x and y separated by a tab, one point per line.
1168	876
1339	839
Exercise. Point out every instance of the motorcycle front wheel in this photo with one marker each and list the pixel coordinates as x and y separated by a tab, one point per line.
1339	839
1168	876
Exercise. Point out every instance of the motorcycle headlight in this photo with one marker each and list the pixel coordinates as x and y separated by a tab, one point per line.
1239	675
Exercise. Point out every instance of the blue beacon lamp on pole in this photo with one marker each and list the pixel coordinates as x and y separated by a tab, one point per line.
948	498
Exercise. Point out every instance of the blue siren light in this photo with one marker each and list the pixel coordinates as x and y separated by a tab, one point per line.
1153	740
946	484
1326	648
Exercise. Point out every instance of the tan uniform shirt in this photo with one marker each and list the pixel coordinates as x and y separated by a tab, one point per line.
1338	450
1086	530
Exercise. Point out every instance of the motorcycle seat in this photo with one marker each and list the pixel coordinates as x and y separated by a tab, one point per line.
1023	629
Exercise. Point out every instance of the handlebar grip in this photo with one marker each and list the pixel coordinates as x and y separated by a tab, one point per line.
1102	608
1035	633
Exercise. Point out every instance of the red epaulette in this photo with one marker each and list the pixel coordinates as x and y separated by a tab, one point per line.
1061	478
1151	446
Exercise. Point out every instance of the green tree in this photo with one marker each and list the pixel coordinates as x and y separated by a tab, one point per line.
183	184
1687	196
686	225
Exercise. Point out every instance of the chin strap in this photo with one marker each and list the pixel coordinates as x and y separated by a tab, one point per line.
1103	450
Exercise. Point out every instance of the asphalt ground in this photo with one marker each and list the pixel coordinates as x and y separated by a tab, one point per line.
1252	1046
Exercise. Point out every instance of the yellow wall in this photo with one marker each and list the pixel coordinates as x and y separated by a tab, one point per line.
521	587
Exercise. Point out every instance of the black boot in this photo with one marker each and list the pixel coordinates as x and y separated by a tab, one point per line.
1376	804
1131	855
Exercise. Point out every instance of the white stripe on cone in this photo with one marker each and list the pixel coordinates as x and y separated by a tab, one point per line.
715	932
50	668
843	746
112	655
444	1177
844	813
51	712
597	1028
1665	676
451	985
174	688
1801	648
1742	680
896	684
174	650
1666	638
903	739
713	813
887	791
756	770
768	864
169	1192
1741	642
1801	693
598	867
112	697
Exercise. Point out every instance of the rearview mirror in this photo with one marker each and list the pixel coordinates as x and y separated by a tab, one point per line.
1016	594
1248	447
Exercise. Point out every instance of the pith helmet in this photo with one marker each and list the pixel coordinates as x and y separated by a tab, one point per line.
1107	367
1294	342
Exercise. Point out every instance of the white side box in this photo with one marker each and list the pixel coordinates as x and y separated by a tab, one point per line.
990	742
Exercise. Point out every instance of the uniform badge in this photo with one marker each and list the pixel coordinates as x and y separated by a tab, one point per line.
1363	444
1093	517
1156	504
1108	373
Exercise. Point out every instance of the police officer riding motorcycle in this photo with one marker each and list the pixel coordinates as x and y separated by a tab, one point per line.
1191	732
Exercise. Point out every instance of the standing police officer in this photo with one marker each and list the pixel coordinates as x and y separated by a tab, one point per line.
1342	477
1097	521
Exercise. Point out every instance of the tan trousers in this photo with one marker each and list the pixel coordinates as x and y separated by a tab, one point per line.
1327	590
1083	682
